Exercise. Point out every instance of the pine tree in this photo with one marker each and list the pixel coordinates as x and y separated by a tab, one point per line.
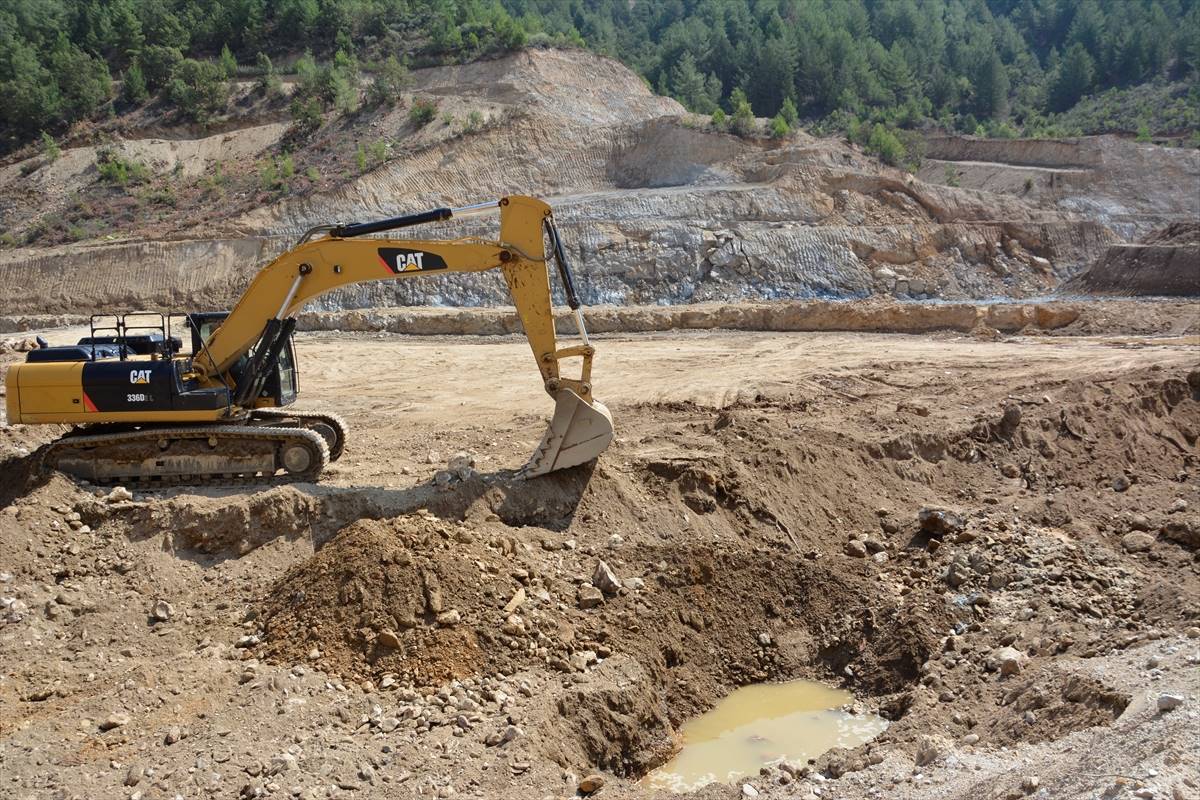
228	62
133	88
1073	79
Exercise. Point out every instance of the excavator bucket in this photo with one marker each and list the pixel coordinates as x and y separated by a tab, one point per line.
578	433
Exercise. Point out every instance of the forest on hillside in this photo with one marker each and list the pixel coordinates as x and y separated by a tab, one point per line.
989	67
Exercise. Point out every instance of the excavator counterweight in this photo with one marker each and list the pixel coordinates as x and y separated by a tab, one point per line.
145	413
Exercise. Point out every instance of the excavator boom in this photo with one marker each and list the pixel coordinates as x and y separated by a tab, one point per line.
233	385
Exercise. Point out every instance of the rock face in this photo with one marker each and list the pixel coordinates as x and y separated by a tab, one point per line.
655	207
1165	263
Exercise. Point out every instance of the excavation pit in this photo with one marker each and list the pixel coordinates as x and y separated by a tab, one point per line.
764	725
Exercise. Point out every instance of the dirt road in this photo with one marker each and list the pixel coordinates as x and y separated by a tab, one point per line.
384	634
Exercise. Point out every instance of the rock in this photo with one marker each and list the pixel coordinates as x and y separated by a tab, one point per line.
1184	532
590	784
1167	702
511	733
462	465
448	619
1139	522
971	738
388	638
1010	471
116	719
1137	542
590	596
856	549
1030	784
1180	505
928	751
1007	660
959	571
284	762
162	611
134	775
634	584
940	521
515	602
119	494
1192	632
1120	483
173	735
604	579
749	791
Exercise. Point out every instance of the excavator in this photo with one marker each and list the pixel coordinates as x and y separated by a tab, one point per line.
147	414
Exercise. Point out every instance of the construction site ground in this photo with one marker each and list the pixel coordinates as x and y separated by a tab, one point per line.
992	540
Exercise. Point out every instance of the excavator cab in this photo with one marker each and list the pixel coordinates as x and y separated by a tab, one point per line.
280	383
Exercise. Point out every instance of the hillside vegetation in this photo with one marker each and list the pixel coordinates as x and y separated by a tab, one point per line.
991	67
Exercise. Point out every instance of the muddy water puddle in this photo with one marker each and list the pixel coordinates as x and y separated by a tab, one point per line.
766	723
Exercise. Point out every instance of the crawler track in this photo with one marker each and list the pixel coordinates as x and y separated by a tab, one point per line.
226	455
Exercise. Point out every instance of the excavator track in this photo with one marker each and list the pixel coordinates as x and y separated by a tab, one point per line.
333	429
209	455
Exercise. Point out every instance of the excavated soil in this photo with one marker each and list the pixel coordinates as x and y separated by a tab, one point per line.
887	514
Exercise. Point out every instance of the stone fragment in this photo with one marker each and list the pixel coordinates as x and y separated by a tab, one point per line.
590	596
928	751
604	579
388	638
1007	660
590	784
118	494
856	549
515	602
940	521
162	611
1137	542
1169	702
116	719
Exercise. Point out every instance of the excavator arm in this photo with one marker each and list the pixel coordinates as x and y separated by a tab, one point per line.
581	427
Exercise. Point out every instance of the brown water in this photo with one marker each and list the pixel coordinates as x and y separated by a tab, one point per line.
767	723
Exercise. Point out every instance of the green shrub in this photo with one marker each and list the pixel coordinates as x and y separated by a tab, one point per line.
378	151
719	119
884	144
313	174
227	62
779	127
50	148
1143	132
119	171
789	113
744	122
422	112
306	117
267	83
475	121
950	176
360	158
391	79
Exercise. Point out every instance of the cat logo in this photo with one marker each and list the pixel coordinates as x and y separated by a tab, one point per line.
139	376
402	259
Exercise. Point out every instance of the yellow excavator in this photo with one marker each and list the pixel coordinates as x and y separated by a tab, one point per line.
149	415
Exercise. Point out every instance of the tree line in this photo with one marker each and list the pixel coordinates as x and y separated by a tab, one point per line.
983	66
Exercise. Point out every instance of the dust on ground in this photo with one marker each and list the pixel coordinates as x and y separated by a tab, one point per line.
992	543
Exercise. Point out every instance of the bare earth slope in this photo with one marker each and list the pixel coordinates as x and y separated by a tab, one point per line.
656	205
